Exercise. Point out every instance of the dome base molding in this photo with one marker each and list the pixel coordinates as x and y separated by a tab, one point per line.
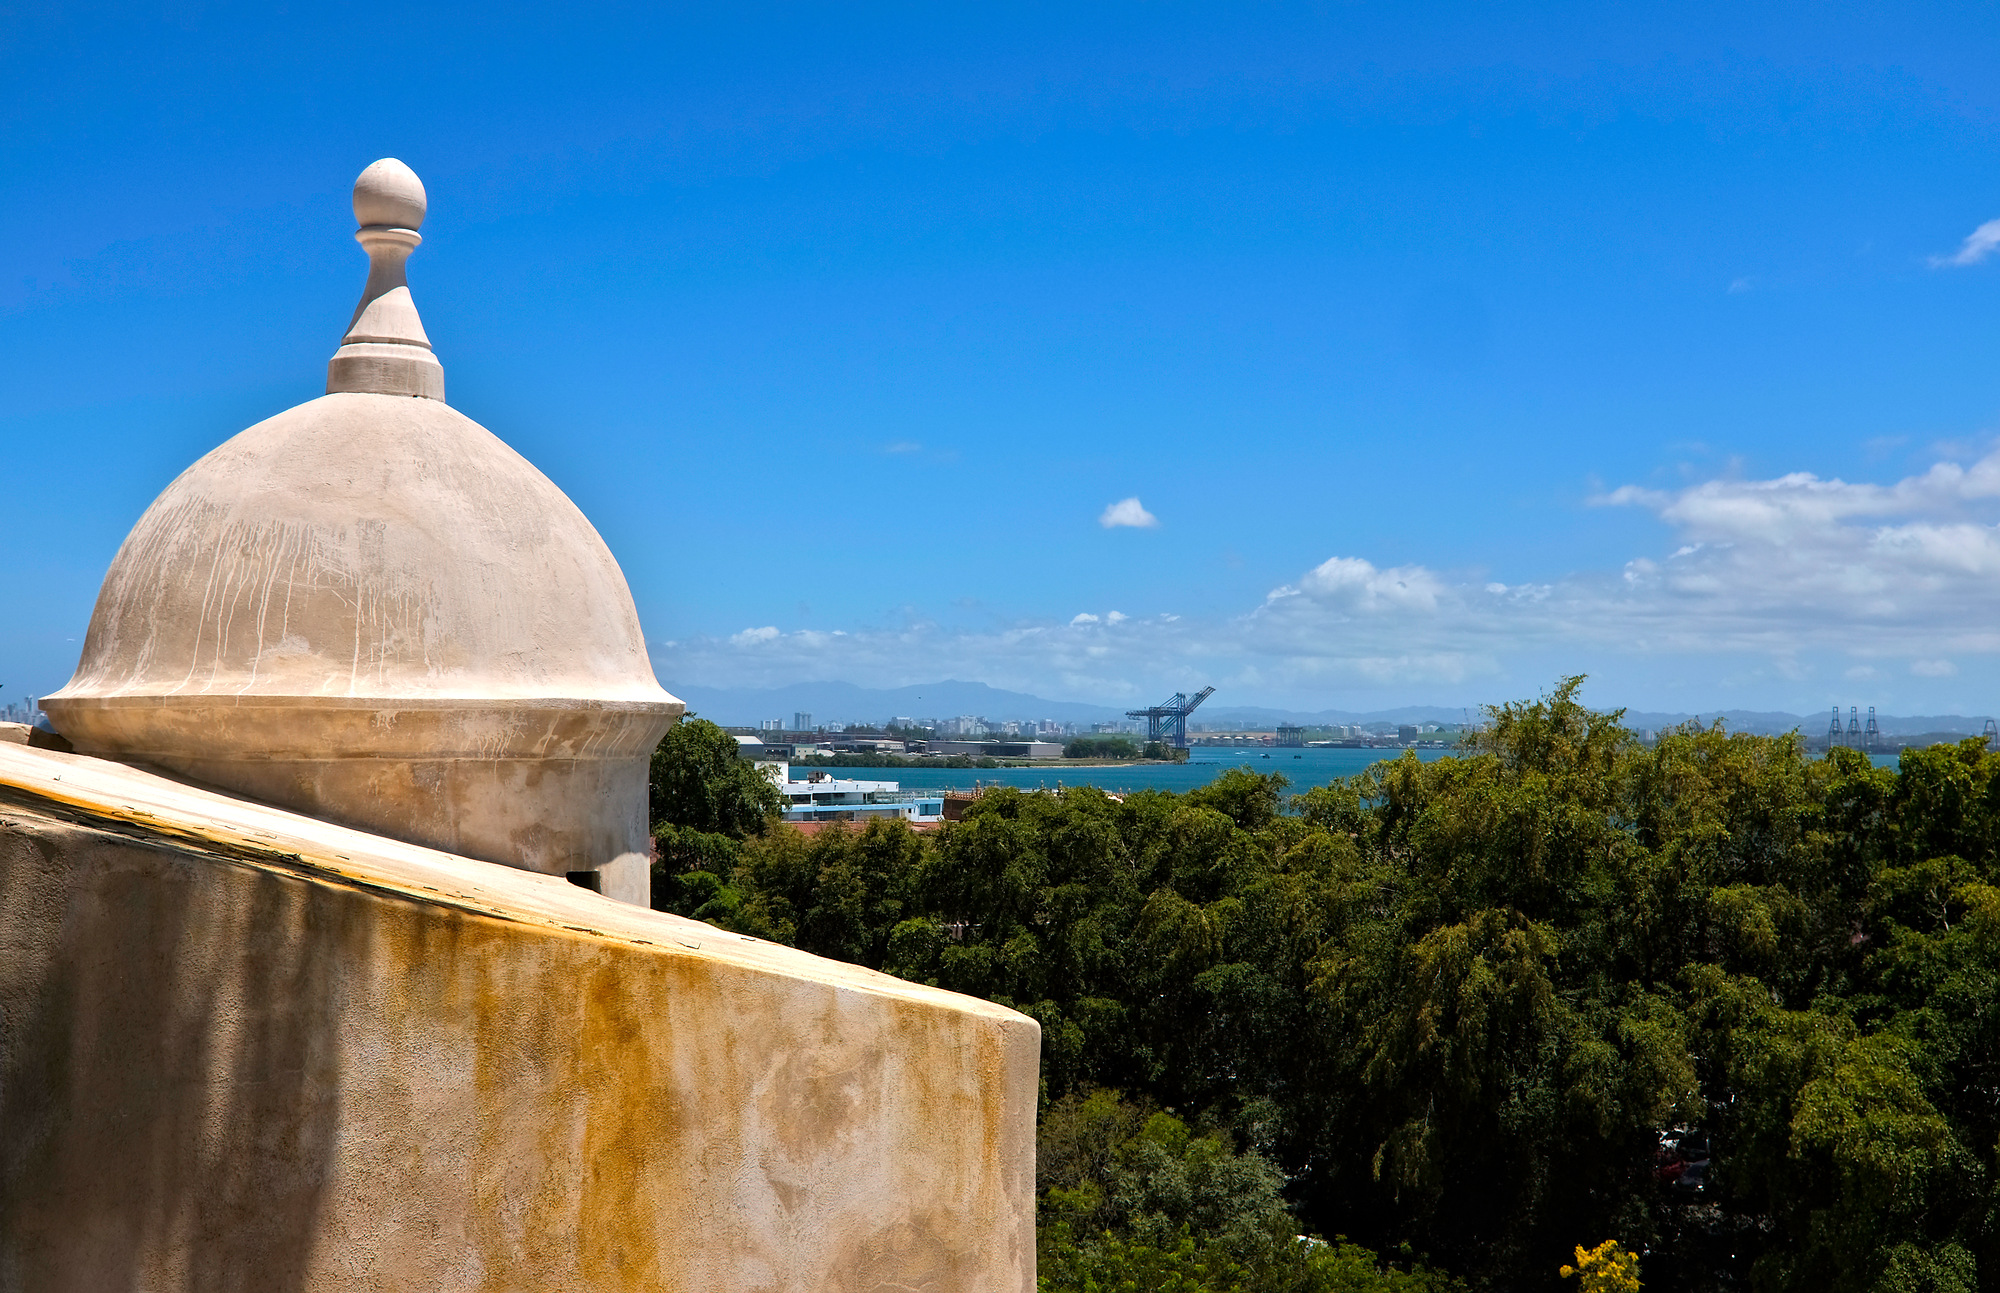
552	785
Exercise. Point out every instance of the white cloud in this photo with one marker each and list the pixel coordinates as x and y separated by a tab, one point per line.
903	446
1354	585
1812	559
1978	245
1791	583
1128	512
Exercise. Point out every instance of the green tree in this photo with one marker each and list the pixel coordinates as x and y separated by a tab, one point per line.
1477	1006
1100	747
704	801
1131	1198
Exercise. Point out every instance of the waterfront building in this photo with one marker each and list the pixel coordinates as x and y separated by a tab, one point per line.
823	797
868	745
998	749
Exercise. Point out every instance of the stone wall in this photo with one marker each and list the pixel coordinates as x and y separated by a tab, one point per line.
246	1050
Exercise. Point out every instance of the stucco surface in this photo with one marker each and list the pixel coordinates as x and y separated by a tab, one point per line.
244	1049
371	609
364	545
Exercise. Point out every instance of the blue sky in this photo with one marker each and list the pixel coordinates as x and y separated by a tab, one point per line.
1448	349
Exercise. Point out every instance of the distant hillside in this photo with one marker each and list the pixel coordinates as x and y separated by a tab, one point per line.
843	702
1252	716
1745	720
1764	723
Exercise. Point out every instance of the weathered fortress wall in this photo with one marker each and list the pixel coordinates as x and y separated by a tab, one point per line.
242	1049
246	1049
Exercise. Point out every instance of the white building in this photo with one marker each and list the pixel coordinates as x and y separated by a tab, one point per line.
823	797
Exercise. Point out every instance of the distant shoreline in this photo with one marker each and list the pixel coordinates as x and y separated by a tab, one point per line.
891	762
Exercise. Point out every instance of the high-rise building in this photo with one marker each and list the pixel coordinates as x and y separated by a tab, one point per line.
802	722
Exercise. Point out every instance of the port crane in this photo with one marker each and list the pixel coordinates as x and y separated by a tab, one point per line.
1168	721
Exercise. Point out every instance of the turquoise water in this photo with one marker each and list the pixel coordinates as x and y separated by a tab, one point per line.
1306	768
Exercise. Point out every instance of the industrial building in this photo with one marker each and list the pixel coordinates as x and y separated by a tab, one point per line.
997	749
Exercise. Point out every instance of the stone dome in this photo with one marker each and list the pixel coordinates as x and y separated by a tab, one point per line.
370	608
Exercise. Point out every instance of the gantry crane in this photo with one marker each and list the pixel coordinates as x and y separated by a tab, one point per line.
1168	722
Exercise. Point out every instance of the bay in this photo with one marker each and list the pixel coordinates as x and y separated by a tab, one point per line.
1304	769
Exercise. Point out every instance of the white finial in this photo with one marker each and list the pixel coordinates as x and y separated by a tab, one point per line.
386	351
389	193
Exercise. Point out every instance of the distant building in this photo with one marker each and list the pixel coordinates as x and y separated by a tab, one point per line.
1291	736
1407	734
867	745
802	722
1217	736
771	725
823	797
998	749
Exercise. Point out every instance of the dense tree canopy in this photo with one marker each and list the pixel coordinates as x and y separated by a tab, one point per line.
1483	1009
704	802
1101	747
